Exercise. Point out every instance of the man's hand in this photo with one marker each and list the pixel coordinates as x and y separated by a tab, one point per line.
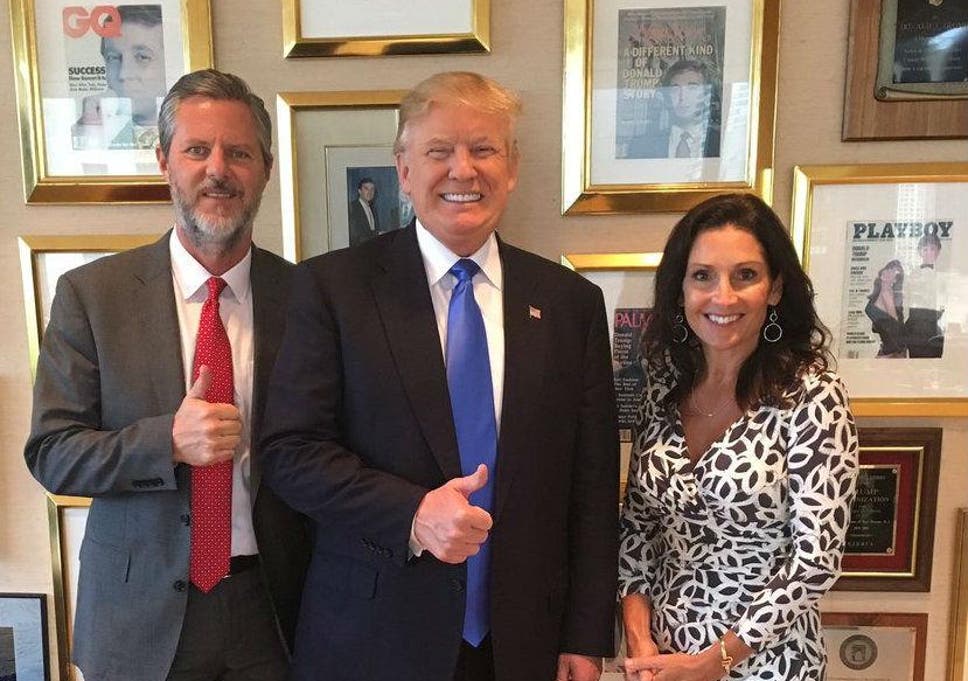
573	667
447	525
204	433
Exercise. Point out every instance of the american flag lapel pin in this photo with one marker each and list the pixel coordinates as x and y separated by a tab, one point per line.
534	312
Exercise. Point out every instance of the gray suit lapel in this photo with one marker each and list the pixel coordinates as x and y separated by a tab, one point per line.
159	337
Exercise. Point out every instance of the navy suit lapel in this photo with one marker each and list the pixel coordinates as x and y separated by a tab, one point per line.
269	307
405	308
158	335
525	354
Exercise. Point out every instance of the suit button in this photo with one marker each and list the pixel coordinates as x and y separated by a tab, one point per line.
179	585
457	584
186	519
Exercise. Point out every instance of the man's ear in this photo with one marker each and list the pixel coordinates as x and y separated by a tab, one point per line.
162	161
403	173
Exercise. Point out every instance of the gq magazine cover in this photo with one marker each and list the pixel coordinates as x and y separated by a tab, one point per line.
115	74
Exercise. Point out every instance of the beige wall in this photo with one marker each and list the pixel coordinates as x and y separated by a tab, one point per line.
526	54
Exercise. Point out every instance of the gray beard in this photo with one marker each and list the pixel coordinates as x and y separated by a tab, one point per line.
223	233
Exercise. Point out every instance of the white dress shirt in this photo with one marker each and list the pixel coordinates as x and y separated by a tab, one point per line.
235	309
488	286
488	292
368	212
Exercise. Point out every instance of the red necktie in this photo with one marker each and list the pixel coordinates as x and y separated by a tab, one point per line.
212	485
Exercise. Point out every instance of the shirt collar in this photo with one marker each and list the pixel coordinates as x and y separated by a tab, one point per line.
438	259
191	275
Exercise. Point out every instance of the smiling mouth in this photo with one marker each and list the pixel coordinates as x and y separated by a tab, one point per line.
461	198
722	319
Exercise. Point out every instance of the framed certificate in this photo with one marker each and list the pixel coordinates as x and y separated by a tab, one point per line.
907	63
890	539
869	646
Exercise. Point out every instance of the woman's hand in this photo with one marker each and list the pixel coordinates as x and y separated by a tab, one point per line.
674	667
640	650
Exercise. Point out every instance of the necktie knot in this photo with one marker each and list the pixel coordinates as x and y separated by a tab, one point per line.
465	269
215	286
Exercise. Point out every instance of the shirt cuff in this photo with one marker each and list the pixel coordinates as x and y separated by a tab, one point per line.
415	546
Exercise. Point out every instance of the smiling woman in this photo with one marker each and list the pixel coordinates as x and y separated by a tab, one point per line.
744	459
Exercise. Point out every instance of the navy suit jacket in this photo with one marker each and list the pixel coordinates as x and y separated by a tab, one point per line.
359	428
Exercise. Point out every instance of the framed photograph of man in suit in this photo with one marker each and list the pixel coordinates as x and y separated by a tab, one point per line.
666	103
321	136
364	196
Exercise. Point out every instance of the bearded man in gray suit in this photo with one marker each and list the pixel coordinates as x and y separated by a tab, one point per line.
127	410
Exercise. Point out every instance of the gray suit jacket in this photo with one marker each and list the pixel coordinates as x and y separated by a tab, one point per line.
109	380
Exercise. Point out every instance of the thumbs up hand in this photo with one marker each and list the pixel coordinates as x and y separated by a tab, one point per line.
447	525
204	433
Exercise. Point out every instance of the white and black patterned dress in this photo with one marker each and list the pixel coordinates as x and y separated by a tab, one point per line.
750	537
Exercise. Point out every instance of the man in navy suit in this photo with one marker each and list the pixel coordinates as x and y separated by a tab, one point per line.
429	565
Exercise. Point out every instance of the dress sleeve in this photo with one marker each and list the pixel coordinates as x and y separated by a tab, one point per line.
639	521
822	451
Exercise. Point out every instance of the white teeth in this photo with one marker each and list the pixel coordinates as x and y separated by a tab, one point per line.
722	319
462	198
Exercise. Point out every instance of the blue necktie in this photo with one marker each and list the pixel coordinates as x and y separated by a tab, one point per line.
472	402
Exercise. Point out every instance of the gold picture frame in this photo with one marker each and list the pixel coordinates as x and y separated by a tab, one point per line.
39	277
958	631
364	37
310	123
66	517
843	225
70	168
600	173
626	280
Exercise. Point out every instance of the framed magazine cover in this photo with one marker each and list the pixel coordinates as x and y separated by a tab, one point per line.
882	244
323	137
44	258
667	102
89	81
627	281
958	628
66	519
314	28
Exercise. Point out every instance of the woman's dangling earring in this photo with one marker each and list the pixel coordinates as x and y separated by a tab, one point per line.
773	332
680	332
